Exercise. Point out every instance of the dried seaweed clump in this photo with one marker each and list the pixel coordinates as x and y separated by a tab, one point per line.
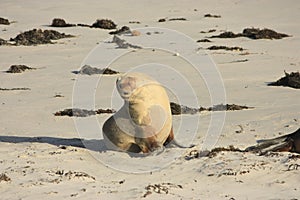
123	30
4	177
122	44
225	48
58	22
212	16
162	188
77	112
13	89
18	68
4	21
217	150
178	19
88	70
204	40
222	107
212	153
253	33
289	80
104	24
38	36
177	109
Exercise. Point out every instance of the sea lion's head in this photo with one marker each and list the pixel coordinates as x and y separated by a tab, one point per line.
128	83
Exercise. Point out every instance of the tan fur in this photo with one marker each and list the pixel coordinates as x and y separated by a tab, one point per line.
144	123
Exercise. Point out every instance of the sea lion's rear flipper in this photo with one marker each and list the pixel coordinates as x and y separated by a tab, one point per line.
171	142
290	142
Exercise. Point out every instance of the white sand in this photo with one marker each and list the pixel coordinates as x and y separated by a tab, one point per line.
40	169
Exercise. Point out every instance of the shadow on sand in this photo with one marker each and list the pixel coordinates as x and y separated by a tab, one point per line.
93	144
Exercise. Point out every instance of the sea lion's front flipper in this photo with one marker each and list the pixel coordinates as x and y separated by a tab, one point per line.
290	142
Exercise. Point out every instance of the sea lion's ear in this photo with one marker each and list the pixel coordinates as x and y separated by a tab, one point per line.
118	79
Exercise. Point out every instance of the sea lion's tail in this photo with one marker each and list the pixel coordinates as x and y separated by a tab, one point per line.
290	142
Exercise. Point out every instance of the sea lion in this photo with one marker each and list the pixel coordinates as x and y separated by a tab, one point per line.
144	122
290	142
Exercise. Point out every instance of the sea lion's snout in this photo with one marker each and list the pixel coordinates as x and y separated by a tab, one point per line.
125	86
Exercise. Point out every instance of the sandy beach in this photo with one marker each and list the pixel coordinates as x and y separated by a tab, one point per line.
47	156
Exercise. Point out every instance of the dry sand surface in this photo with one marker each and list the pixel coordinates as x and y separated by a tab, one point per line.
43	156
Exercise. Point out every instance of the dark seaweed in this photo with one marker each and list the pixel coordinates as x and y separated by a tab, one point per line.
4	21
88	70
253	33
38	36
58	22
76	112
104	24
289	80
225	48
18	68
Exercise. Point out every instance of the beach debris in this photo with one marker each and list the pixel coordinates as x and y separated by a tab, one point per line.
214	152
289	80
241	129
88	70
178	19
13	89
289	142
225	48
4	177
122	44
193	154
212	16
239	61
110	71
58	96
134	22
19	68
161	188
61	175
253	33
58	22
4	21
209	31
2	42
84	25
162	20
177	109
123	30
77	112
38	36
135	33
210	153
227	107
172	19
104	24
204	40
